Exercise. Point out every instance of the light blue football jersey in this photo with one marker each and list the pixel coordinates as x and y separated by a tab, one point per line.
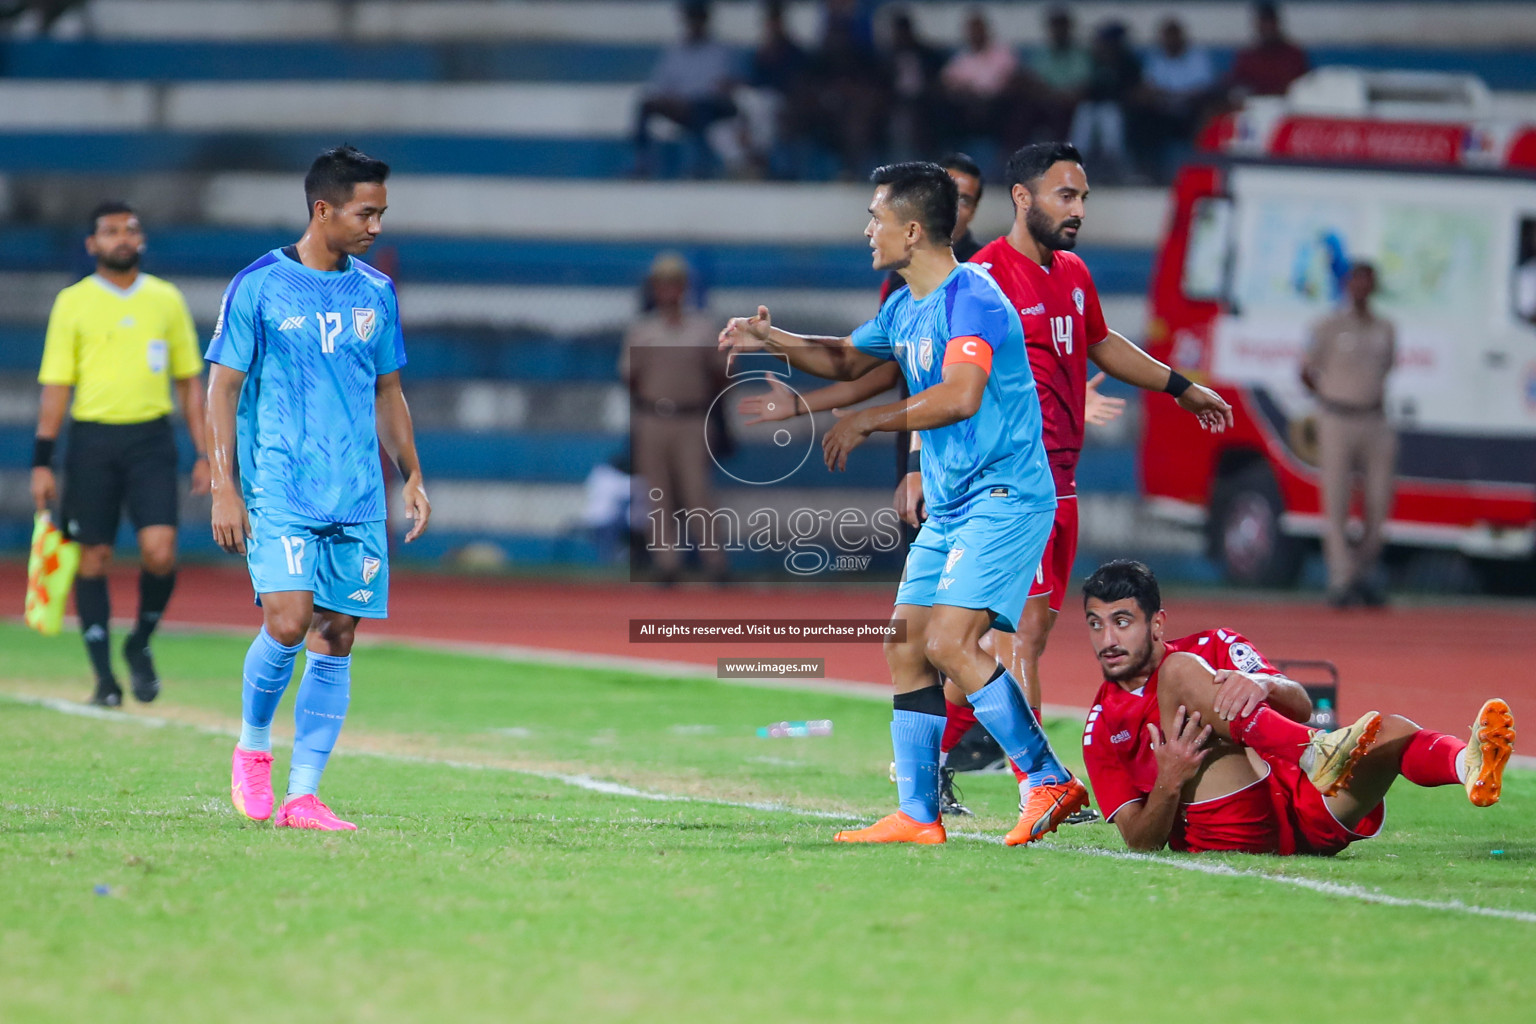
312	345
998	451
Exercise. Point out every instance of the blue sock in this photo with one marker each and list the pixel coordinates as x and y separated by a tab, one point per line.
915	739
1000	707
321	707
268	667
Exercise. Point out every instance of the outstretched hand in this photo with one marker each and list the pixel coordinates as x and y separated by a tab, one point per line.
1210	408
779	402
1101	409
747	333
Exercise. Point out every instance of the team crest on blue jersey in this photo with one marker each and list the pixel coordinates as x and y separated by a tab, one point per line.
925	353
1077	300
370	564
364	320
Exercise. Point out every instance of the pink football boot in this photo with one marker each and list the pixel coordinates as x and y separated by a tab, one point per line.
308	812
250	783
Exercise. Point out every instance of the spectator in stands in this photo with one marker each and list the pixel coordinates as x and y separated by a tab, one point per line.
850	98
977	78
1045	92
1178	81
914	68
674	370
777	89
1271	64
47	13
1098	124
854	19
1348	358
690	87
1063	64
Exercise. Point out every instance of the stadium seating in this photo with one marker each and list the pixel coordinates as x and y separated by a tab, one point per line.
516	239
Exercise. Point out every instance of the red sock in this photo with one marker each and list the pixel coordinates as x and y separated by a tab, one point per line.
1430	759
958	719
1270	732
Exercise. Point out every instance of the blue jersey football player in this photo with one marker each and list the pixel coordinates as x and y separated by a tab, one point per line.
304	385
991	499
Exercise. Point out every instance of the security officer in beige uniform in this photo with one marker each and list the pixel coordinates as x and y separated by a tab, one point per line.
1346	366
674	372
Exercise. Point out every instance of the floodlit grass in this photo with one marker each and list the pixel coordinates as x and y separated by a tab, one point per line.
480	889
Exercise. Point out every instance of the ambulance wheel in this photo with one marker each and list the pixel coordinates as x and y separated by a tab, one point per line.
1245	533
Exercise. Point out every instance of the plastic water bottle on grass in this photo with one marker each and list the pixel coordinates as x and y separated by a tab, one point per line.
814	727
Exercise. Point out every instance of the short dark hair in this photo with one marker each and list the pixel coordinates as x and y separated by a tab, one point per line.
963	163
107	207
339	170
1123	578
1267	9
1029	163
927	192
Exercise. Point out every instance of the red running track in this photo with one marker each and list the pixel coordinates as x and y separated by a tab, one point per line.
1434	664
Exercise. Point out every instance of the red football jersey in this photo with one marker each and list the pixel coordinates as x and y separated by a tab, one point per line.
1116	746
1060	311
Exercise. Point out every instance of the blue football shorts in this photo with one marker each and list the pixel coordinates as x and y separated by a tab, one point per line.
345	565
984	558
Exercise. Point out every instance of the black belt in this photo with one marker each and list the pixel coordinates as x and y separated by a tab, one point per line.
1345	409
667	408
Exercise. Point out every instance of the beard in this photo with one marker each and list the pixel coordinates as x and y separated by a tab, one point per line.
1139	664
1051	235
119	260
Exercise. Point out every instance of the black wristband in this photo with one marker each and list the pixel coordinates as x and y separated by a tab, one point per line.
915	460
1177	383
42	452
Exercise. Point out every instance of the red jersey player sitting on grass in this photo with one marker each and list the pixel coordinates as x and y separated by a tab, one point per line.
1198	743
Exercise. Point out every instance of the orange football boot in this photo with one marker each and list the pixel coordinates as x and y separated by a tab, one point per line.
1493	740
896	828
1046	808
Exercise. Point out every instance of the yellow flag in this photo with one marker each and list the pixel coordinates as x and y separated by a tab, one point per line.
50	573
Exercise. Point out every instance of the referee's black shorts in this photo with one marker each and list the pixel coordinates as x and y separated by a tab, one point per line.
108	465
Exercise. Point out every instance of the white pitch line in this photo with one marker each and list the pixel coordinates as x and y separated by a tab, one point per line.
1314	884
607	788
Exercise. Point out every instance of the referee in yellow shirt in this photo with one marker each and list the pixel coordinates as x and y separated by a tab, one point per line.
117	341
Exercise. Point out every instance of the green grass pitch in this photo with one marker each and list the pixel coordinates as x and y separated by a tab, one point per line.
488	883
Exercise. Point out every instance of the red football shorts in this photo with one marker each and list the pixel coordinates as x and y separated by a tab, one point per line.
1245	821
1055	573
1306	816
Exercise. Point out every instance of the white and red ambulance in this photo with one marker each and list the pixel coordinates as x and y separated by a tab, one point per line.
1431	178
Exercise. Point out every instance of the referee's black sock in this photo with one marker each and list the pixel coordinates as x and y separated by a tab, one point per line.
95	609
154	595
